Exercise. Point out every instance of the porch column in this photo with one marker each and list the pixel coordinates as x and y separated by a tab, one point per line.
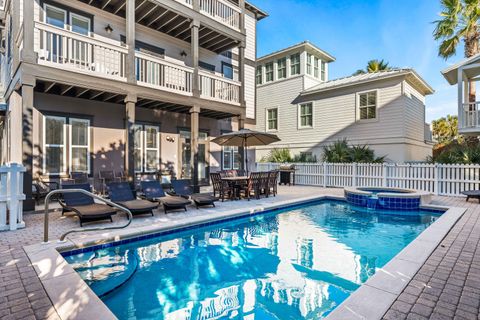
194	129
241	150
130	41
28	54
27	143
129	158
195	26
241	55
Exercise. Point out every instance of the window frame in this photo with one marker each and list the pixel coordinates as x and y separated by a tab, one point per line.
309	64
267	119
228	65
259	75
316	67
299	116
323	70
65	19
80	17
146	148
267	72
358	107
282	69
233	151
71	146
296	65
45	145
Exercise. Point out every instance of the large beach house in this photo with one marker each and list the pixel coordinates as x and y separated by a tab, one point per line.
134	86
297	101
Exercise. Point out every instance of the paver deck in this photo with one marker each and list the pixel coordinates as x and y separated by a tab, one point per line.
447	286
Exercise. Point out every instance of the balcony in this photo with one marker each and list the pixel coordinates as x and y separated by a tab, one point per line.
469	118
219	10
106	58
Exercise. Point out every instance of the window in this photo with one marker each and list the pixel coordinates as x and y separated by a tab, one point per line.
309	63
295	64
282	68
258	75
269	72
80	24
324	71
230	158
367	105
79	145
54	138
146	148
316	67
56	144
55	16
272	119
306	115
206	66
227	70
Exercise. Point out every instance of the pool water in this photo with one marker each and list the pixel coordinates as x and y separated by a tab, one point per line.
297	263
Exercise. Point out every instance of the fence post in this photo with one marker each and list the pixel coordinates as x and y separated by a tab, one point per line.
384	172
3	198
354	174
436	183
324	174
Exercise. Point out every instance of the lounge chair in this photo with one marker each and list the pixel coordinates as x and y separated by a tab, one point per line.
473	194
121	193
153	191
41	188
183	189
84	206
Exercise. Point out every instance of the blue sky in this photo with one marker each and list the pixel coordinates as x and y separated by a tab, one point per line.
355	31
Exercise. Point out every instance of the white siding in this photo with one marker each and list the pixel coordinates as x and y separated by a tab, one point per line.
414	113
250	91
251	43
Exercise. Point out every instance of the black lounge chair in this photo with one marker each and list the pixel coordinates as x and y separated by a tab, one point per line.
84	206
153	191
183	189
472	194
122	194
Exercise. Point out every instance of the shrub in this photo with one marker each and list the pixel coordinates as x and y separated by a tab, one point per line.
341	152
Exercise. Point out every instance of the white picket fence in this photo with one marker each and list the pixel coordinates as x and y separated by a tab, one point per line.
439	179
11	197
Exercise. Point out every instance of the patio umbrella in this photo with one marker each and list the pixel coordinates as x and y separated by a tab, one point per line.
246	138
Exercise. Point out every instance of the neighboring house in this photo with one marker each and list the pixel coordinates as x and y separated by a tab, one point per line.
126	85
384	110
467	104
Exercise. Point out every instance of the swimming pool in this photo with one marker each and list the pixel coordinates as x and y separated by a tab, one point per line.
297	263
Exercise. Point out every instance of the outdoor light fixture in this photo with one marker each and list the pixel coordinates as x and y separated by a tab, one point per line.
170	139
109	29
183	53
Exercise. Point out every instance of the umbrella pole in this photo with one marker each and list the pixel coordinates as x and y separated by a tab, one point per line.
245	155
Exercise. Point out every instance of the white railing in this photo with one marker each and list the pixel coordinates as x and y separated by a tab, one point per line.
220	89
66	49
11	197
221	11
470	118
158	73
440	179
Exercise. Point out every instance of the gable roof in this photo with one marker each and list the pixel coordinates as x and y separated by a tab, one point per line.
301	45
420	84
450	73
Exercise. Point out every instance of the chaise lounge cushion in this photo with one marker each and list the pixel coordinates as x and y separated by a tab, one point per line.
153	191
121	193
138	205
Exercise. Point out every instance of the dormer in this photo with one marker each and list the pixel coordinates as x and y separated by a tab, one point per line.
303	59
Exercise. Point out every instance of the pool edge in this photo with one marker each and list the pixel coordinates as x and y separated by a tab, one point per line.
58	277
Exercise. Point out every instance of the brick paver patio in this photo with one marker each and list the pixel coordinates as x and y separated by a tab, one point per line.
447	286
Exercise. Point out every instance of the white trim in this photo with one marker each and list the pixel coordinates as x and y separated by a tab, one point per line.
80	17
299	122
138	148
71	146
45	6
45	145
267	129
357	105
146	149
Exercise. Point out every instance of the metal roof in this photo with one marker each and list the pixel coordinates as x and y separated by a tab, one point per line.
305	43
369	77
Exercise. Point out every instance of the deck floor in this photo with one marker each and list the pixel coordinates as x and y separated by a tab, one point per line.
446	287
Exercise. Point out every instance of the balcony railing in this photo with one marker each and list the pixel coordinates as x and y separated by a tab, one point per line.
220	89
470	118
158	73
75	52
219	10
79	52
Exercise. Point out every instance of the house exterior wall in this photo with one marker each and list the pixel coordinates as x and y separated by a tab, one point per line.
397	132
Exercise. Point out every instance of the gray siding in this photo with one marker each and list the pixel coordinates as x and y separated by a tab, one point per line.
414	113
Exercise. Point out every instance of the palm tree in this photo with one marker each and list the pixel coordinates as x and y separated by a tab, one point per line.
373	66
460	21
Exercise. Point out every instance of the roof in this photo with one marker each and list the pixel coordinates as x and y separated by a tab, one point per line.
303	44
451	74
249	6
411	75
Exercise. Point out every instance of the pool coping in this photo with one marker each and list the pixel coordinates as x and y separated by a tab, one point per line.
72	298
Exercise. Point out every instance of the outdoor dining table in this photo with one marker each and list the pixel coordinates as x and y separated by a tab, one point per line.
233	182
